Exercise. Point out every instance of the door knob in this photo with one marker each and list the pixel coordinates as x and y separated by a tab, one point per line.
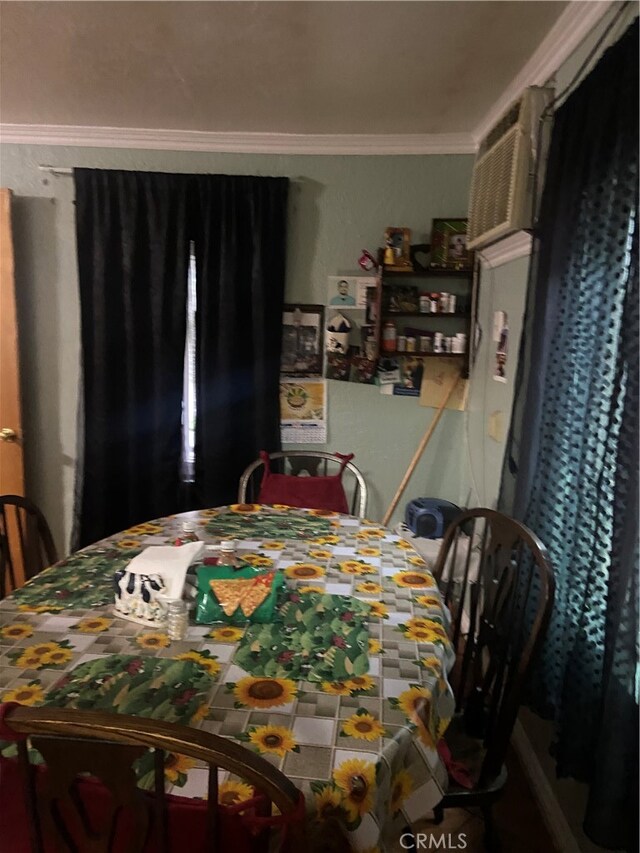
7	434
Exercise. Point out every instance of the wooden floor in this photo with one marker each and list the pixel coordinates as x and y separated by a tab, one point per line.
518	823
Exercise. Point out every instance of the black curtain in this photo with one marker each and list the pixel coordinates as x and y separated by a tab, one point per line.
571	467
134	233
240	244
133	255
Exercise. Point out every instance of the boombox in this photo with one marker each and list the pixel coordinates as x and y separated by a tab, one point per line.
429	517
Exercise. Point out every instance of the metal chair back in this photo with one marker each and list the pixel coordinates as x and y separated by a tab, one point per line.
313	462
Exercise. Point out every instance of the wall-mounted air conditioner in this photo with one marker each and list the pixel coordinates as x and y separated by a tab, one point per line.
510	160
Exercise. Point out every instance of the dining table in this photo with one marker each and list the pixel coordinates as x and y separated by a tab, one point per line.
345	691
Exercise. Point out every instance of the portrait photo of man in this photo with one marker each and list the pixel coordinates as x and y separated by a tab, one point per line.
343	297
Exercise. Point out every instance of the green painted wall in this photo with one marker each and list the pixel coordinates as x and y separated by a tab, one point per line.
339	205
501	289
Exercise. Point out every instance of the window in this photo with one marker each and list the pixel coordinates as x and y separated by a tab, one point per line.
189	403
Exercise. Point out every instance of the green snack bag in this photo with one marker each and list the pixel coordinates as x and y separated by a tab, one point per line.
237	595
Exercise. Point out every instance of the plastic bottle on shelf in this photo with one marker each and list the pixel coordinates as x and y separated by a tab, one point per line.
389	336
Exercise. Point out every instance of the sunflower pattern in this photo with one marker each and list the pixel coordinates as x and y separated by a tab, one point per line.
153	640
363	726
231	793
253	692
205	660
310	707
45	655
304	571
16	631
258	561
226	634
424	630
414	580
270	740
356	567
26	694
95	625
356	779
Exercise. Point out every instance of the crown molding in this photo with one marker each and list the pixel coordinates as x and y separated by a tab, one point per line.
243	143
573	25
510	248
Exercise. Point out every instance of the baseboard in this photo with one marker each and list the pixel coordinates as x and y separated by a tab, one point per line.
552	813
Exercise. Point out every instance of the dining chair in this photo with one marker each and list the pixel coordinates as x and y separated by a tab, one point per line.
108	812
495	577
26	543
307	463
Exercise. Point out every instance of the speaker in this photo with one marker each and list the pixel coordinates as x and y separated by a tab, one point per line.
430	517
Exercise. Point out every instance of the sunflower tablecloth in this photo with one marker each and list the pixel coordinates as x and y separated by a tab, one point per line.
362	748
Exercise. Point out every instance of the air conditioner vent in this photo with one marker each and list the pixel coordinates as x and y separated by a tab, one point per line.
503	175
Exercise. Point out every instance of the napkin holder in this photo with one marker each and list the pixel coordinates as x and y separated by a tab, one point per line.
145	586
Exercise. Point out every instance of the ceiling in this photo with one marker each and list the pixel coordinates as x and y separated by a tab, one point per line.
307	68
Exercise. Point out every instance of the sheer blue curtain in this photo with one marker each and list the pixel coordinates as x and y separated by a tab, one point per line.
571	468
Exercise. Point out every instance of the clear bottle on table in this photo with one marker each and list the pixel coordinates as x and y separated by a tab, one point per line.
189	532
177	619
227	554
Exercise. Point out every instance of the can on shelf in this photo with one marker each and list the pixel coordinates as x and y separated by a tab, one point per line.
451	308
425	303
401	343
425	343
411	344
437	342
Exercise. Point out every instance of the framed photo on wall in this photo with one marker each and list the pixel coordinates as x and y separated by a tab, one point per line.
449	245
397	250
302	334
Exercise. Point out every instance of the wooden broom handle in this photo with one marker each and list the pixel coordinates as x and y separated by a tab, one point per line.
420	450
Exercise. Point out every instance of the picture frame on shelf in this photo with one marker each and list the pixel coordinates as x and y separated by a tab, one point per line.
449	245
397	250
302	340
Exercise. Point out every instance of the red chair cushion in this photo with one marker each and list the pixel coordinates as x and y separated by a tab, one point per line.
305	492
239	825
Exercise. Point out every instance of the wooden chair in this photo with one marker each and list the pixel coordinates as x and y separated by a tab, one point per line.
26	543
496	579
314	463
61	807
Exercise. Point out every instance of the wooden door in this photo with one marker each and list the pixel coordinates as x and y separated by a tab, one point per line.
11	461
11	458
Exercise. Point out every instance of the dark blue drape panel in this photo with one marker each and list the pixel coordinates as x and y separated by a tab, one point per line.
240	244
571	467
133	255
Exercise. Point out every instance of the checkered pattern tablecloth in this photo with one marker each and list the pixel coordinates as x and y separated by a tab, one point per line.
361	749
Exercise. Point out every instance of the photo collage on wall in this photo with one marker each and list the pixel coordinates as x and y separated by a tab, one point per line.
350	329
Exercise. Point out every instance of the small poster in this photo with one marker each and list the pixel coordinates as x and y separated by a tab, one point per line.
501	338
349	291
302	330
303	411
438	375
